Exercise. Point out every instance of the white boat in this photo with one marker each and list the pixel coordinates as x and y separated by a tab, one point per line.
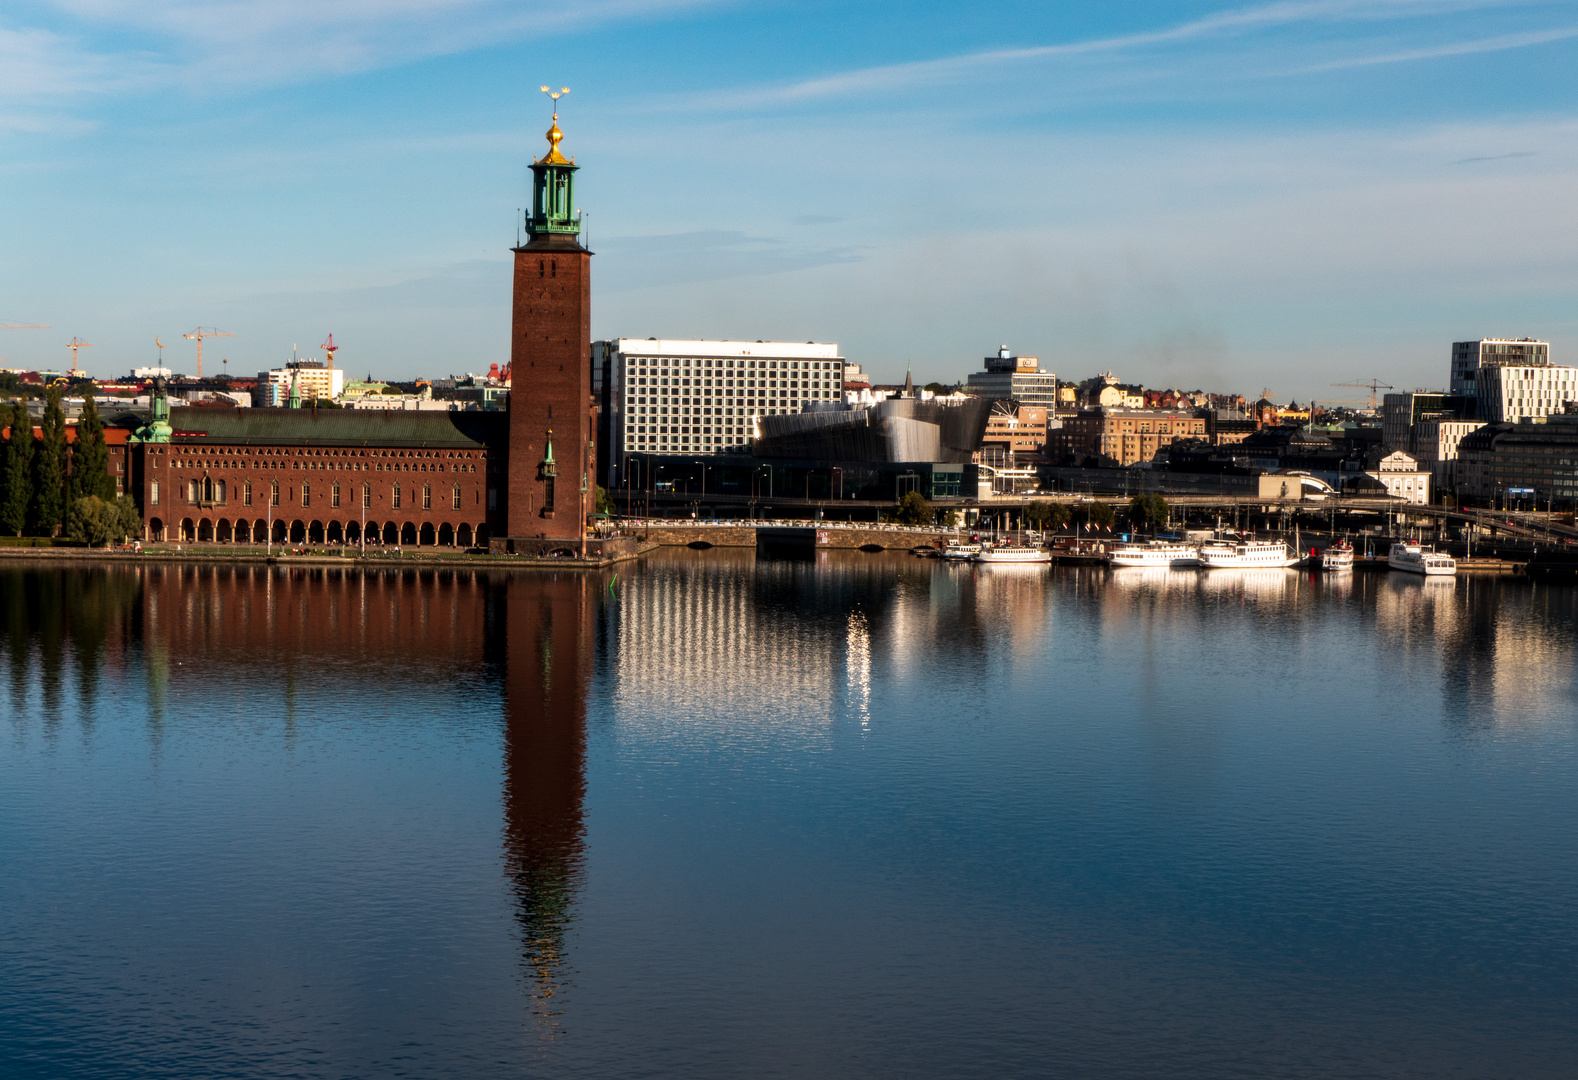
1414	559
1337	558
1013	555
1156	553
1217	556
957	549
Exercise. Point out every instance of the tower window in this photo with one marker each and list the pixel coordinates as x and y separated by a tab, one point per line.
367	496
396	497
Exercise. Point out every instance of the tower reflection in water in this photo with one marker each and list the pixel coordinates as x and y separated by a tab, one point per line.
547	660
203	633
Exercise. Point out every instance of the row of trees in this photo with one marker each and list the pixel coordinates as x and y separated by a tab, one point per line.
47	489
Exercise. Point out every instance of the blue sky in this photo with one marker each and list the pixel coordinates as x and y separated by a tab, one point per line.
1279	195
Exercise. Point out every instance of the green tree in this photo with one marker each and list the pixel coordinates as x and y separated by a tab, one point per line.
17	472
1046	515
100	522
1099	513
90	458
1147	511
48	510
913	509
605	505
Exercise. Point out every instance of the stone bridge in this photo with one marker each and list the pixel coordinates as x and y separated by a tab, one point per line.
819	534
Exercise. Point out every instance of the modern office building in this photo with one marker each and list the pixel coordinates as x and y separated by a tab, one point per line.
1016	377
1510	379
1511	394
314	381
662	396
1436	443
1403	410
1533	462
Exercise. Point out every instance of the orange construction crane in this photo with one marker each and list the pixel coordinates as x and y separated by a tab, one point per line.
331	348
1372	385
74	345
198	335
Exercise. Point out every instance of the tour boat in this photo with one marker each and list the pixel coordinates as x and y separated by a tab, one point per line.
959	550
1013	555
1156	553
1337	557
1414	559
1217	556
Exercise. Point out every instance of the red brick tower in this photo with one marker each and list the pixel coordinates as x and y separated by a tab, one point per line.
551	471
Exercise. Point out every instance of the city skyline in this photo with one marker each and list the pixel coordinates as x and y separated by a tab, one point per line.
1199	195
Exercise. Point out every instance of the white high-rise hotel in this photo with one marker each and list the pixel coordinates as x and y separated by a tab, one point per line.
703	397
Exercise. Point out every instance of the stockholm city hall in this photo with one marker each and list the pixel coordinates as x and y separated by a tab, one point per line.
519	481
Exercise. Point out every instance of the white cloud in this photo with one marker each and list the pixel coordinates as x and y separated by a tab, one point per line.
891	78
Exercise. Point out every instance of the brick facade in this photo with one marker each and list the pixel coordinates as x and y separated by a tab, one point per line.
311	488
551	377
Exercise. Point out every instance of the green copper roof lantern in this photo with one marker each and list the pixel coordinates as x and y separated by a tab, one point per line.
553	185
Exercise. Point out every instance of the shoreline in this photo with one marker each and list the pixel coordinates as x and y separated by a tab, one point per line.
233	556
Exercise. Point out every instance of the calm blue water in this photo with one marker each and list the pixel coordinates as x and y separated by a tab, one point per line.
718	817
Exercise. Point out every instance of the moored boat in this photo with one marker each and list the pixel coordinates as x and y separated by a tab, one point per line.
1156	553
1260	553
1009	554
1337	557
1413	559
958	549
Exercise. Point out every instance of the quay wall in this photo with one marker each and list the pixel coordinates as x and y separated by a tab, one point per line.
838	535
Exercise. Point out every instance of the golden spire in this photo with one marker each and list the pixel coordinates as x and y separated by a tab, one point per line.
553	156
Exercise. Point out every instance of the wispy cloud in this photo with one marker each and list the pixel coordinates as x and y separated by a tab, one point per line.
1500	43
1493	157
111	45
1238	21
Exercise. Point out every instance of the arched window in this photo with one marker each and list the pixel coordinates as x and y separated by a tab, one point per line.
306	495
334	495
396	502
367	496
427	497
455	497
273	494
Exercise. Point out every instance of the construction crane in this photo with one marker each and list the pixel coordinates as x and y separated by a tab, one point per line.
198	335
331	348
1266	392
1373	385
74	345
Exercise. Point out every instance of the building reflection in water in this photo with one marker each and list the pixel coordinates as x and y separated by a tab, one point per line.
549	639
254	641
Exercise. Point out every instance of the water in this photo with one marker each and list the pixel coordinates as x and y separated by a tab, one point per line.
715	817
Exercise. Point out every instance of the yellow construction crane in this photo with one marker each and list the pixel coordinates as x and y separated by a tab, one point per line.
198	335
1372	385
74	345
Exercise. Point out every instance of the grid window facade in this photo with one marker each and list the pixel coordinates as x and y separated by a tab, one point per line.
711	404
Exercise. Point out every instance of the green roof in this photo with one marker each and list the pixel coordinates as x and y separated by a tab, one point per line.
340	427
